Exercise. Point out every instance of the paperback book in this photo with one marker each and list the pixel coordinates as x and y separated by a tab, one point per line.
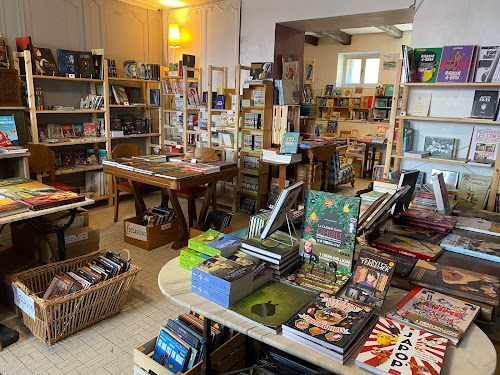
371	279
404	264
170	352
214	243
407	246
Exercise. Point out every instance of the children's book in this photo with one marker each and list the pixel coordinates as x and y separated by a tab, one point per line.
67	131
371	279
456	62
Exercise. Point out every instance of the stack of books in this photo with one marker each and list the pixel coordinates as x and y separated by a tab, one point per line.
385	186
336	336
13	150
273	155
371	196
428	220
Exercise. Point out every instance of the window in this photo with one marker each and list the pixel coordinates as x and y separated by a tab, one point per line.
358	69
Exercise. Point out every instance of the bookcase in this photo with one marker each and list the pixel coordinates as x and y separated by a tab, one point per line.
191	135
450	125
350	108
255	138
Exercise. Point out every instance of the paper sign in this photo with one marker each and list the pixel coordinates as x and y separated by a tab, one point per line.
166	226
136	231
24	302
76	237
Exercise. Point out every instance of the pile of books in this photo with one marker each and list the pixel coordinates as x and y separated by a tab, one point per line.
385	185
428	220
100	268
156	215
273	155
13	150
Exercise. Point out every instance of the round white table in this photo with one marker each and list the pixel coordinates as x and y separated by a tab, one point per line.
475	354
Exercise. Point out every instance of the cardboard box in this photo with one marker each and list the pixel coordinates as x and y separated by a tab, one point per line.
79	241
149	238
61	218
196	231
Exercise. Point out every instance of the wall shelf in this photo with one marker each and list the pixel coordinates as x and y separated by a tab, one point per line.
457	120
427	160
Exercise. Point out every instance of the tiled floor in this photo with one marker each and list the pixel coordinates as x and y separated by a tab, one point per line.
106	348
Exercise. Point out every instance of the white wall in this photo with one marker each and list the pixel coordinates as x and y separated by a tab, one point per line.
258	19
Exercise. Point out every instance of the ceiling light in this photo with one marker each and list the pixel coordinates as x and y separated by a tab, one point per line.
172	3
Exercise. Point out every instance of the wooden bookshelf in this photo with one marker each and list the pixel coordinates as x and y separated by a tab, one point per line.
458	120
427	160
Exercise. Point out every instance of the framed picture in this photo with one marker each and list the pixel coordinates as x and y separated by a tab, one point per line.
309	69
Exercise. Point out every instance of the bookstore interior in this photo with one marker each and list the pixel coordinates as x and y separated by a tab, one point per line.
326	202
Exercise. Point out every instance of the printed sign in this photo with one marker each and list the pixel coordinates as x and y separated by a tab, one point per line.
24	302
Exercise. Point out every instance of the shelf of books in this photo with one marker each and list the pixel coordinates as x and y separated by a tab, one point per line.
256	135
458	99
77	134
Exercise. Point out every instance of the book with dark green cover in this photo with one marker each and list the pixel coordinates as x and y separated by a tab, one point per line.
329	321
329	229
272	305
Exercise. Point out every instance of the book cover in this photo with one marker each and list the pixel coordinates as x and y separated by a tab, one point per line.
130	68
89	129
455	63
371	279
417	233
485	104
291	70
44	62
11	207
427	63
404	264
332	322
272	305
311	277
78	130
290	143
67	131
394	348
269	247
439	146
435	312
473	190
407	246
472	247
420	104
484	143
119	94
170	353
8	131
199	243
440	193
487	61
307	92
329	229
85	64
189	61
261	70
479	225
456	281
178	174
67	62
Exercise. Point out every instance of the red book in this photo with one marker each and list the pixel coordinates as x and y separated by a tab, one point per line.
67	130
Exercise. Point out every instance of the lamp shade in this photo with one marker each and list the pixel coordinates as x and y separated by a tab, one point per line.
174	36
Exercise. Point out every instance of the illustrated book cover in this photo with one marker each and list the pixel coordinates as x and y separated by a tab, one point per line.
473	190
462	283
427	63
45	64
439	146
455	63
417	233
487	61
169	352
329	229
479	225
371	279
332	322
272	305
8	131
52	200
67	62
435	312
85	64
394	348
472	247
407	246
485	104
484	143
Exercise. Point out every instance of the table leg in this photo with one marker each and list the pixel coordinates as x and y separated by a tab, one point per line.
140	206
282	178
365	162
206	202
206	365
182	235
372	164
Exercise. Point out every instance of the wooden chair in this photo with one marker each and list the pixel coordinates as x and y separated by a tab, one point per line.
126	150
42	160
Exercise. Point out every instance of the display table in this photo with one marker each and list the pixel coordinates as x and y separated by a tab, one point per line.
475	355
16	163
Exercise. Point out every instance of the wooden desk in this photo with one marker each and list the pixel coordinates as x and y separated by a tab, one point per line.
15	164
374	147
475	355
321	153
170	186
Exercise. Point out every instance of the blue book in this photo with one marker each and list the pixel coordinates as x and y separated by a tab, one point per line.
8	132
200	349
220	102
222	275
193	341
170	353
290	143
217	297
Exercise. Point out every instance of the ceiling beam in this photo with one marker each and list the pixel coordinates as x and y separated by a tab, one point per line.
391	30
312	40
337	35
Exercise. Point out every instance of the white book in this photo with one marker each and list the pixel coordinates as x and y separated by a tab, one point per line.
420	104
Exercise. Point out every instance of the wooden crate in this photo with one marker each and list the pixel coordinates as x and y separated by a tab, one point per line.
149	238
231	355
282	116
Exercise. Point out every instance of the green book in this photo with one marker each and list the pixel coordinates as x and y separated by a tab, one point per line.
427	63
199	243
193	256
272	305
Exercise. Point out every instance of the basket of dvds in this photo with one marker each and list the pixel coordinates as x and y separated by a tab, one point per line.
62	298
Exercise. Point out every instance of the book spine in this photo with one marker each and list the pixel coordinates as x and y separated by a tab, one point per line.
210	294
211	281
396	250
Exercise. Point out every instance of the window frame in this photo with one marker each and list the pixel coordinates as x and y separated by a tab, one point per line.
363	57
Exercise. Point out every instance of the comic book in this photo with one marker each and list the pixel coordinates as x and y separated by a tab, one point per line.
456	62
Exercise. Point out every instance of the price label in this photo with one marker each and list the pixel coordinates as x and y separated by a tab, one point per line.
24	302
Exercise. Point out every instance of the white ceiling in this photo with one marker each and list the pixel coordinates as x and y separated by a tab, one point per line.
369	30
157	4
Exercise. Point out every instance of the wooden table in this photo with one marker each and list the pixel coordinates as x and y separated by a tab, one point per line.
282	171
171	186
322	153
475	354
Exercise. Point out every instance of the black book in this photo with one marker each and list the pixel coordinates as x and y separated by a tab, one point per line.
485	104
45	64
67	62
188	60
85	64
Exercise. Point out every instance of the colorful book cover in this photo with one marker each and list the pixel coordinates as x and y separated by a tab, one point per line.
427	63
67	131
52	200
311	277
404	264
78	130
329	229
455	63
484	143
8	131
394	348
67	62
212	242
473	190
170	353
89	129
472	247
419	234
329	321
407	246
272	305
434	312
456	281
290	143
291	70
371	279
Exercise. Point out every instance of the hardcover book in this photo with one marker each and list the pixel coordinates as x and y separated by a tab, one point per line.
456	281
272	305
479	225
417	233
472	247
487	61
485	104
332	322
407	246
329	229
394	348
455	63
473	190
52	200
261	70
439	146
8	131
44	62
213	243
270	248
10	207
404	264
85	64
67	62
427	63
420	104
371	279
290	143
67	131
78	130
484	144
434	312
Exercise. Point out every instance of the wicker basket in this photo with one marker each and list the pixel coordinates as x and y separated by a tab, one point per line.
60	317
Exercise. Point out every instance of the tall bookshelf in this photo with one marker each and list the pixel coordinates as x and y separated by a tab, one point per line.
190	110
266	111
61	86
461	122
